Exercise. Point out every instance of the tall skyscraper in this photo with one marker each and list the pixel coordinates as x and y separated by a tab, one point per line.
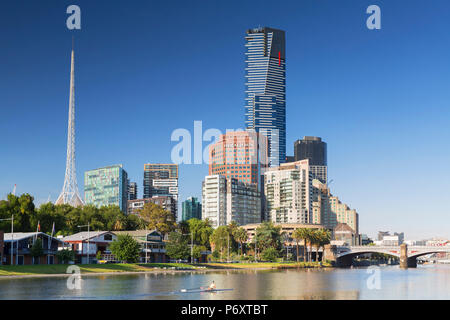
70	194
313	149
265	88
240	155
132	190
192	208
161	180
106	186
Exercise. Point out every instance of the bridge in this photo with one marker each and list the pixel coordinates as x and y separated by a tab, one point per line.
343	255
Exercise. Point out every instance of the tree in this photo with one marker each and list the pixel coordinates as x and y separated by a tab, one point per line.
220	239
300	234
310	238
268	236
65	255
324	238
177	247
157	218
270	254
125	248
37	250
201	230
241	236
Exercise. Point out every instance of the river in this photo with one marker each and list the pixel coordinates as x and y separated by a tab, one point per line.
389	282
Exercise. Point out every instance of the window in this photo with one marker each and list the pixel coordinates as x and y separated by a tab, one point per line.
108	237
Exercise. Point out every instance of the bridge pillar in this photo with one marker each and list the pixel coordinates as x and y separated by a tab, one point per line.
404	256
329	253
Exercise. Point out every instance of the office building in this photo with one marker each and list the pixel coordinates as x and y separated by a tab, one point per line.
106	186
265	88
132	190
288	193
161	180
239	155
191	208
167	202
313	149
226	200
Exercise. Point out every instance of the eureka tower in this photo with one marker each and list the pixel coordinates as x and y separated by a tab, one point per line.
265	88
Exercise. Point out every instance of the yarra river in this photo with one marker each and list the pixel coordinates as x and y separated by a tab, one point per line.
389	282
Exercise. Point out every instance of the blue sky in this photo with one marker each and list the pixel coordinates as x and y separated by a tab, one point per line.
380	99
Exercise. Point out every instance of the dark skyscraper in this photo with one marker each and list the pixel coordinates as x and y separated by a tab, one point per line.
265	88
313	149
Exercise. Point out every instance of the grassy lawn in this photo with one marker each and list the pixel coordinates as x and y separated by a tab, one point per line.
87	268
141	267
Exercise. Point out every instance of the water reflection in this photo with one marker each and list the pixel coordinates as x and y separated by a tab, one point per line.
427	282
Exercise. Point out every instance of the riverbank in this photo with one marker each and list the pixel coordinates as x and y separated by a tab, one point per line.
128	268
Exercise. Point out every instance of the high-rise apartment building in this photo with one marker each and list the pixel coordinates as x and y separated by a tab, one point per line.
214	199
313	149
226	200
161	180
106	186
239	155
329	211
288	193
191	208
265	88
132	190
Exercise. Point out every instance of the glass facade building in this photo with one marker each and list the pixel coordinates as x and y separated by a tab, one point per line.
313	149
106	186
161	180
192	208
265	88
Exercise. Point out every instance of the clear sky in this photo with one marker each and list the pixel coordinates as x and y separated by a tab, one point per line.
379	98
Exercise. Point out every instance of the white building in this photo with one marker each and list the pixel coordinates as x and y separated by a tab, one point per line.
225	200
288	193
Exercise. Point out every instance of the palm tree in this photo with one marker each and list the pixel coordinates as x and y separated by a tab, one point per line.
324	238
300	234
317	241
310	238
285	236
240	234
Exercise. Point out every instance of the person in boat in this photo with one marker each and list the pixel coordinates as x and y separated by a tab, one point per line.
212	286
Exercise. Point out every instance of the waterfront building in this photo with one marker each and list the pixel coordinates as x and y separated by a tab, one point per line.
161	180
214	200
344	235
265	88
132	190
87	244
344	214
106	186
226	200
191	208
239	155
312	148
19	244
167	202
288	193
153	247
329	211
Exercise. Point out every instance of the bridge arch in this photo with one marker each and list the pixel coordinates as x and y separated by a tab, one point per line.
345	259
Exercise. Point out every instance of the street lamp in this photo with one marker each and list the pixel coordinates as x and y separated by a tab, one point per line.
87	225
12	236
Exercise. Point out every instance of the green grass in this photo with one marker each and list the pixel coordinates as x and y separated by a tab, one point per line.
141	267
88	268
